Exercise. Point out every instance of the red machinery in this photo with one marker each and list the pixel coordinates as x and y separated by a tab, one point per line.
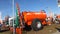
34	19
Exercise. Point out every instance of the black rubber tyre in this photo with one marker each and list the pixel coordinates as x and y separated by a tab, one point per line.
36	25
27	27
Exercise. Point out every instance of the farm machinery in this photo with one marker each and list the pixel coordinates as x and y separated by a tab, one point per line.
36	20
57	19
4	24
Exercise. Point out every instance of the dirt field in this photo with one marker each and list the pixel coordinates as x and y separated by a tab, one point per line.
46	30
6	32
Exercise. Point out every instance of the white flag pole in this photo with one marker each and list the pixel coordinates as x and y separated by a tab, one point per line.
14	32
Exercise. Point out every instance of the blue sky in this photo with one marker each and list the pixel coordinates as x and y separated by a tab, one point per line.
37	5
6	7
29	5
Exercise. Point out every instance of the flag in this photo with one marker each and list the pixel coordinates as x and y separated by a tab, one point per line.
17	17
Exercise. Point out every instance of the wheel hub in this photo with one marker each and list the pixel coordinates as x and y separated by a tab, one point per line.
38	25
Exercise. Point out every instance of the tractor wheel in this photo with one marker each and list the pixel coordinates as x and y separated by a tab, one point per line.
36	25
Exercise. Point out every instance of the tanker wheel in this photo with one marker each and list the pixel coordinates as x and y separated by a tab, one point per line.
36	25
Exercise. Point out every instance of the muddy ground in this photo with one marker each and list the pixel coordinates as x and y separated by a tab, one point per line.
46	30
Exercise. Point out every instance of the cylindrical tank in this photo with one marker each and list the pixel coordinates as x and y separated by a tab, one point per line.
29	16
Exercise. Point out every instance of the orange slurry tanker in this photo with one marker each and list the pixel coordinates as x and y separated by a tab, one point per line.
34	19
30	17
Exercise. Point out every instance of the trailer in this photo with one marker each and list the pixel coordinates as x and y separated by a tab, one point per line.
34	19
